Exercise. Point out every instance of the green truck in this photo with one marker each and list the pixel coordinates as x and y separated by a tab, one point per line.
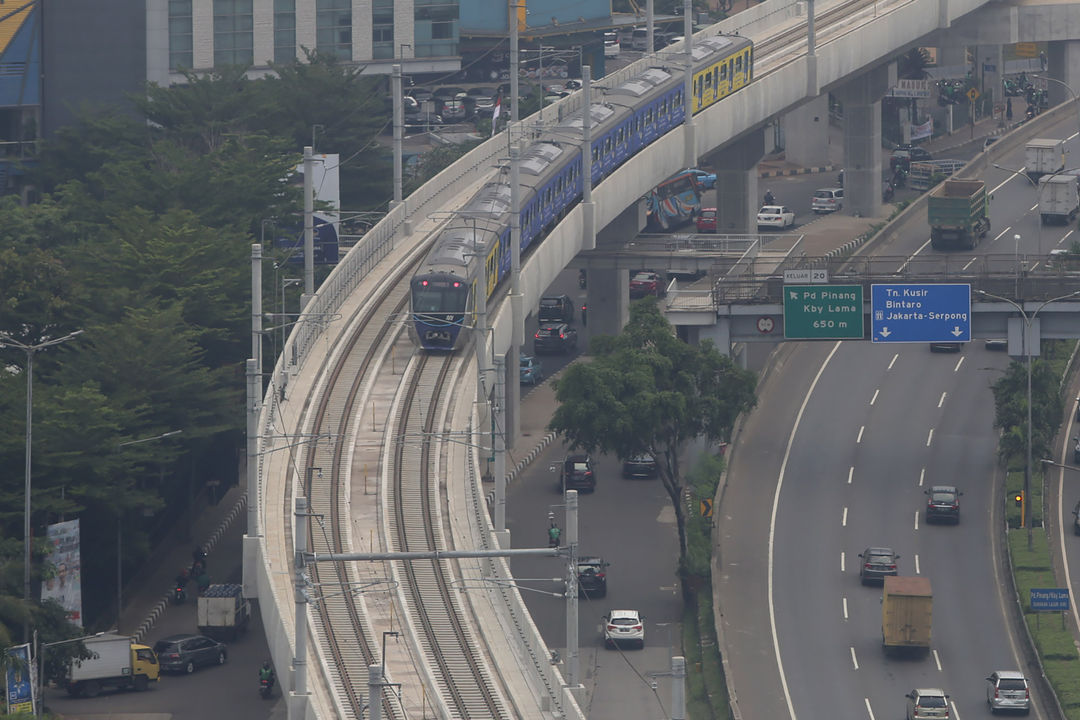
958	211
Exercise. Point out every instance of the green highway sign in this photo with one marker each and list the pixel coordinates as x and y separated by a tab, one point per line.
823	312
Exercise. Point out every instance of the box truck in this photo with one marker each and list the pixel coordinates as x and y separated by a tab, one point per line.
118	662
1059	198
1044	156
906	613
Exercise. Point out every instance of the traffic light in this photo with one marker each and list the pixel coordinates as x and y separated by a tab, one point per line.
1018	498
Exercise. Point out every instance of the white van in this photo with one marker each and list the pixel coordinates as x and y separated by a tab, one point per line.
611	44
640	40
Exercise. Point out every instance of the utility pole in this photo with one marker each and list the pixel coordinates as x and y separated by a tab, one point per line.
399	114
299	696
572	655
512	14
309	224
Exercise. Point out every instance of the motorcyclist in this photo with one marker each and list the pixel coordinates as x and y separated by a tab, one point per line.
582	279
554	533
266	674
770	199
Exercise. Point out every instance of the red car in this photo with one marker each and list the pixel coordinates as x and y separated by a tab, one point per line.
646	282
706	220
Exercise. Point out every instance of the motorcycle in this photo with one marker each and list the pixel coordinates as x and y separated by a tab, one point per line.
179	595
887	192
582	280
266	688
1076	451
899	178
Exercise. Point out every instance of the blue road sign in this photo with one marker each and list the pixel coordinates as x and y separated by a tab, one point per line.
920	313
1049	599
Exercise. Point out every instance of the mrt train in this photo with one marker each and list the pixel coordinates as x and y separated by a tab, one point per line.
471	254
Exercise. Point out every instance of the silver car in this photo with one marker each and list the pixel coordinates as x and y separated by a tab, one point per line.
1008	690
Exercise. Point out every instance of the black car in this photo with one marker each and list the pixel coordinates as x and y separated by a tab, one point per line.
556	309
943	503
904	155
555	338
184	653
877	562
947	347
1076	518
576	473
642	465
591	577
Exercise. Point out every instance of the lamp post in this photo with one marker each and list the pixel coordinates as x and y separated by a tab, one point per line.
8	341
1026	347
1076	99
119	533
1038	210
41	665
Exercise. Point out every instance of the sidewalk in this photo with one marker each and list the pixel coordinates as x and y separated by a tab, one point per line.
147	594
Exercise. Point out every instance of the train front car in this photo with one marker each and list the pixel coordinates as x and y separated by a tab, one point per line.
440	303
463	262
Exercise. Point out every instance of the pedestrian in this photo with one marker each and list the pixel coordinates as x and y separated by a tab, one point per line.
1042	59
1008	109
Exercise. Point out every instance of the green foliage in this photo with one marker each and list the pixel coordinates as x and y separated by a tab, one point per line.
141	237
701	484
912	64
1010	408
438	159
648	391
1064	676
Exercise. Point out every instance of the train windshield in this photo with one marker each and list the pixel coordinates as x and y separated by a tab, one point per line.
433	295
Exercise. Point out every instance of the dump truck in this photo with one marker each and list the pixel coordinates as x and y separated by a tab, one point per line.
1059	198
958	211
223	612
118	662
906	612
1044	156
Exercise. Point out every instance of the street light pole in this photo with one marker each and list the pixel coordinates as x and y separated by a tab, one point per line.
1026	348
1076	99
8	341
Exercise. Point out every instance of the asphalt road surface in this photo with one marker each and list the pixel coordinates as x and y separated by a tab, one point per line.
229	691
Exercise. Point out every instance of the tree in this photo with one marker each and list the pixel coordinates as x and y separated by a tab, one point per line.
647	391
1010	409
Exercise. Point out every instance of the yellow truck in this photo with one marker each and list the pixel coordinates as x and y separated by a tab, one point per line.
906	613
118	662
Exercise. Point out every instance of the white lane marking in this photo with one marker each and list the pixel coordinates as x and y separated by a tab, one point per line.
873	399
859	438
893	361
869	711
916	519
937	660
917	251
772	529
854	660
1033	207
955	712
1062	240
1006	180
930	437
850	473
842	561
970	262
843	521
958	364
917	570
922	476
845	608
942	400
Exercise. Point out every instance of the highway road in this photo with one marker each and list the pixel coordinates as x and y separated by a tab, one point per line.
845	440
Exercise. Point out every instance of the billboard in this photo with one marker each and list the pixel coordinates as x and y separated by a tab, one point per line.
325	183
65	586
20	691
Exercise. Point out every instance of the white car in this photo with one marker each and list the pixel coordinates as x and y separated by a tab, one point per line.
624	626
923	703
775	216
1008	690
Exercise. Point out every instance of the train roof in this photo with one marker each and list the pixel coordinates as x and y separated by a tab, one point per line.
457	246
539	157
598	113
493	199
643	83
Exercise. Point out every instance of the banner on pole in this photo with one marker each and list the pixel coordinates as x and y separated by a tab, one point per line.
20	691
65	585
